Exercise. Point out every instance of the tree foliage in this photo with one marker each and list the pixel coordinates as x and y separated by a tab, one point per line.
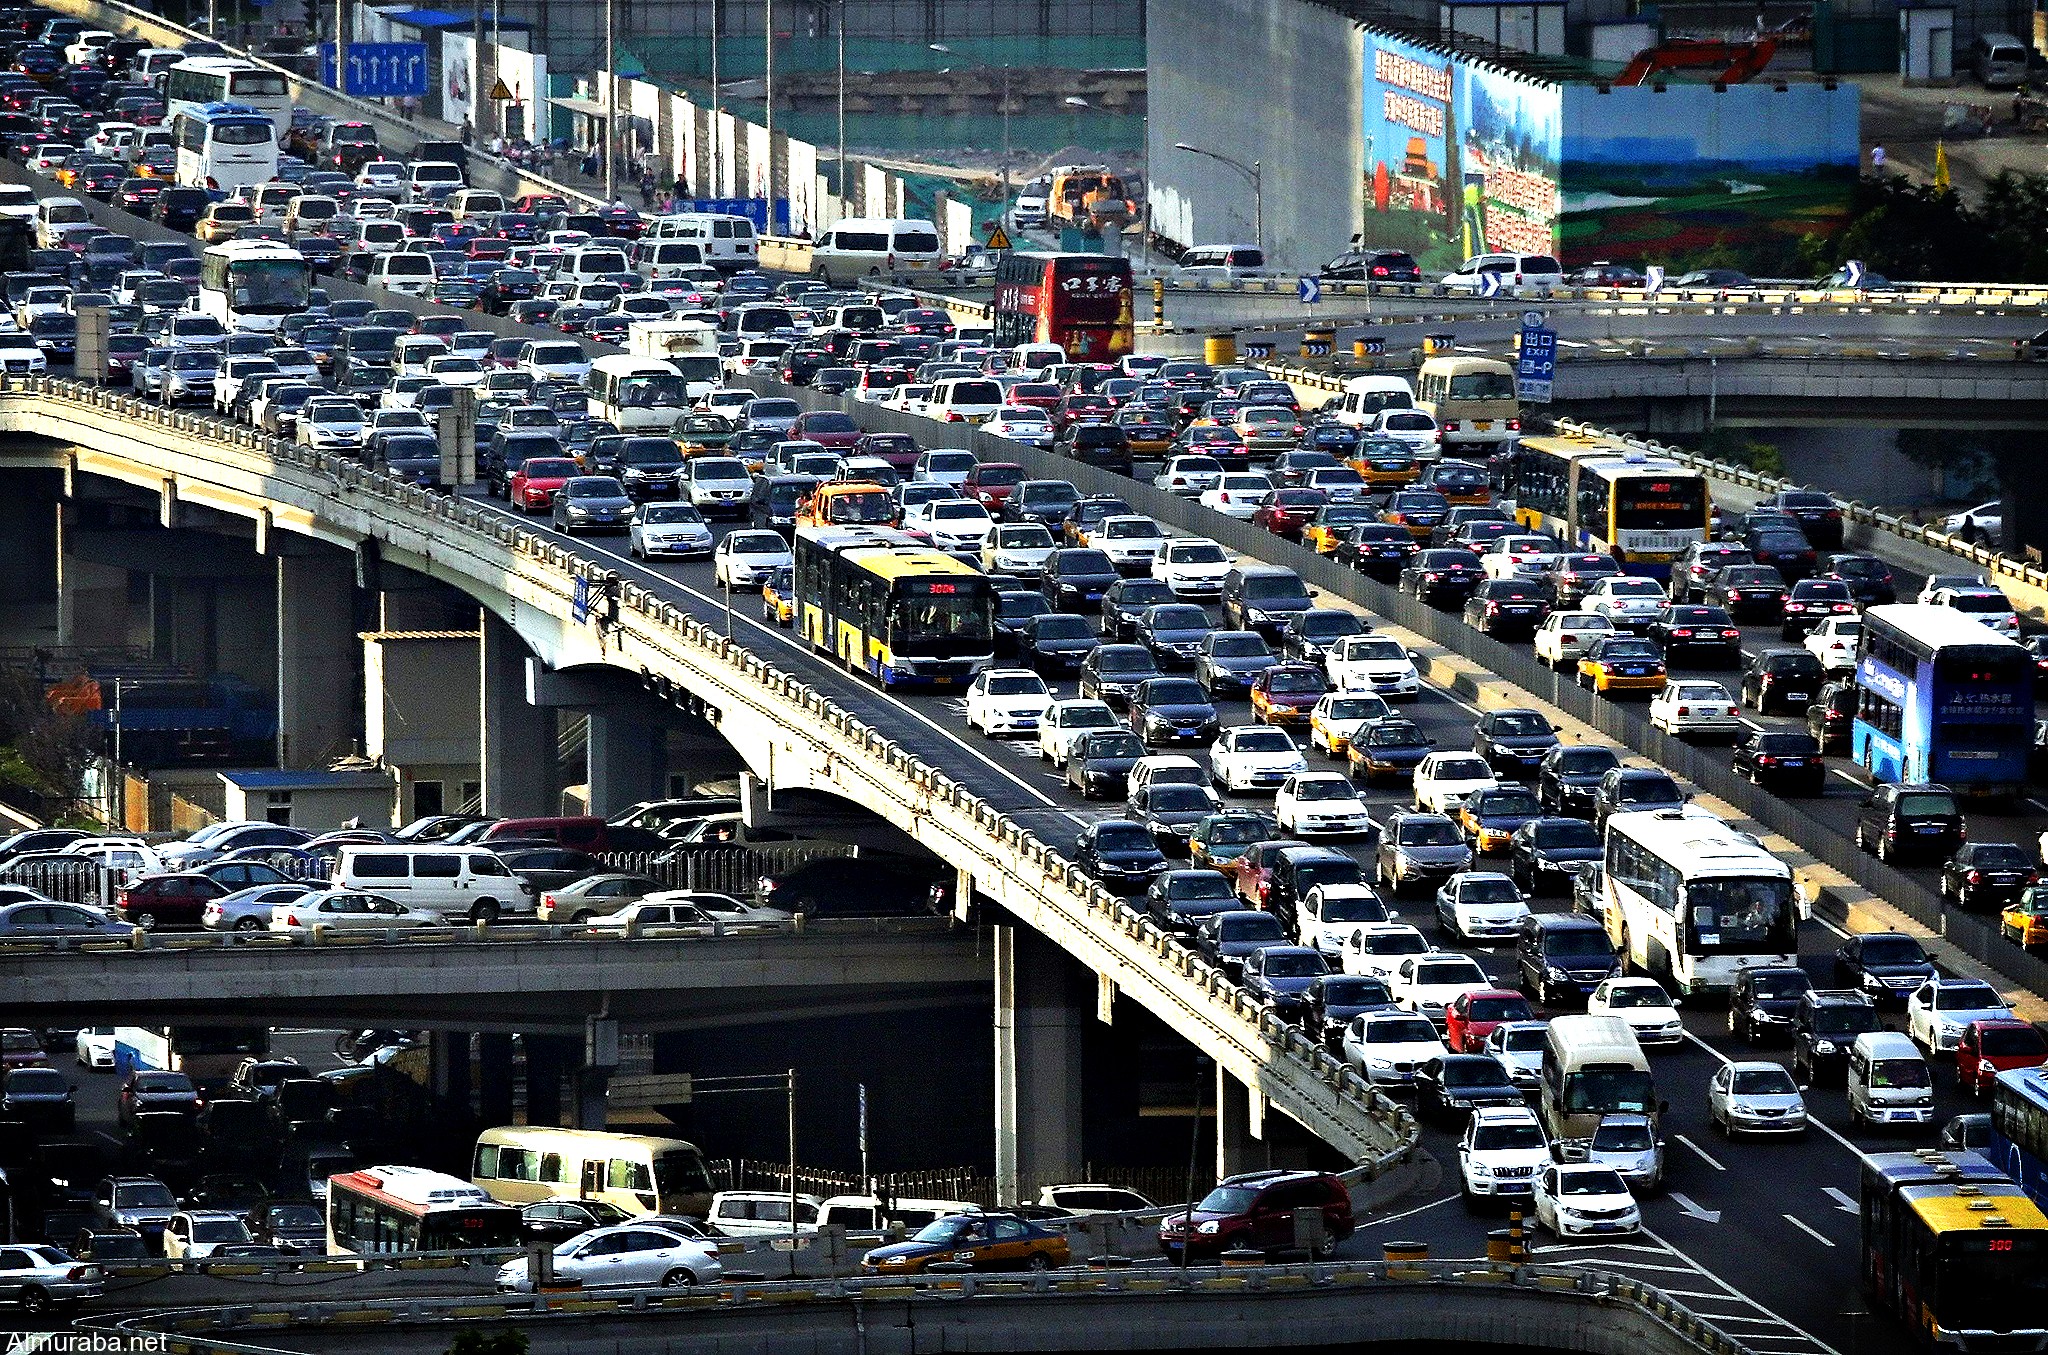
1913	231
43	754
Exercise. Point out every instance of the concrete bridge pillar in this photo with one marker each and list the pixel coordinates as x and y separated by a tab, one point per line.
518	737
29	546
545	1064
1240	1127
627	759
1042	1002
319	702
448	1056
92	597
494	1077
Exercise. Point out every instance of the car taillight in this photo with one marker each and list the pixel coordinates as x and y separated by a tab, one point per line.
1450	425
1975	876
1731	635
1766	760
291	919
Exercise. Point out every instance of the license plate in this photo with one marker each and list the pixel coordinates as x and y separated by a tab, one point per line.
1796	696
1793	762
1185	733
1927	828
1606	1228
1633	672
1482	424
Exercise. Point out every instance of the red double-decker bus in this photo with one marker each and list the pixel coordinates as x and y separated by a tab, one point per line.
1082	302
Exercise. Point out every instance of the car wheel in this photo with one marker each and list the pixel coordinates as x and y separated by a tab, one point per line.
485	911
678	1278
248	924
35	1302
146	921
1039	1261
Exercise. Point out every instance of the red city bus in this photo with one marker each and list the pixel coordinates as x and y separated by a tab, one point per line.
1082	302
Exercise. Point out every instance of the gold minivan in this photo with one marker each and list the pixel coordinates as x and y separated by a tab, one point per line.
1473	402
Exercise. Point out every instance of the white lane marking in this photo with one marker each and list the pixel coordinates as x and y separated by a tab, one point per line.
1603	1246
1735	1293
1813	1121
776	634
1705	1156
1852	780
1410	1213
1808	1229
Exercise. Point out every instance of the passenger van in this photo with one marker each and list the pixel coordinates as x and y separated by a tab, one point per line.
876	246
1999	61
591	263
729	243
471	885
1889	1083
1593	1066
761	1213
659	259
868	1214
1366	397
469	202
405	274
1473	401
1221	263
964	399
518	1164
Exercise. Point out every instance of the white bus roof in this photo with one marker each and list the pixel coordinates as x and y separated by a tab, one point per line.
623	364
520	1135
417	1185
1936	627
1699	844
1582	1038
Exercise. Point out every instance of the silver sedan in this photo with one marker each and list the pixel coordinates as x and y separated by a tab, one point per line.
1755	1098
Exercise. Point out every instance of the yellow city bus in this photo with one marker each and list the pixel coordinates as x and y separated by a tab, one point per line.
1599	494
519	1164
886	605
1961	1260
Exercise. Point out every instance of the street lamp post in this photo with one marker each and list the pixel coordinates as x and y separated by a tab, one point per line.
1253	172
990	66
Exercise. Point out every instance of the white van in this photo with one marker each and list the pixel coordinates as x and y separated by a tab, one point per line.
151	62
729	242
658	259
1036	357
761	1213
431	180
875	247
270	201
1365	398
867	1214
405	274
964	399
1889	1083
554	360
377	237
471	202
591	263
458	883
1221	263
1999	61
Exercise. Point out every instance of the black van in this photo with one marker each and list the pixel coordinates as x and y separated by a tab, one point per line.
1910	822
1562	954
775	501
1296	870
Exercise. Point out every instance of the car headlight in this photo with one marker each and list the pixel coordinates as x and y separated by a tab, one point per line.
1826	1047
1209	1227
1481	1169
1379	1063
1555	974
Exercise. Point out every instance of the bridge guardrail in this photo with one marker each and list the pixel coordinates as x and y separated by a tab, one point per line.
1448	1283
2002	296
1009	862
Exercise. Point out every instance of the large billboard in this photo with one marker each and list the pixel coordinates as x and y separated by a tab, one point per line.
1689	173
1459	159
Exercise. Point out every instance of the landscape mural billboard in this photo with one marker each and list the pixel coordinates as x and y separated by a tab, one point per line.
1689	174
1459	159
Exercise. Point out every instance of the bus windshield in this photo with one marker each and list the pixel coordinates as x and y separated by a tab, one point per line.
940	625
1993	1281
679	1172
870	506
269	286
1646	504
241	131
651	392
1739	914
1609	1089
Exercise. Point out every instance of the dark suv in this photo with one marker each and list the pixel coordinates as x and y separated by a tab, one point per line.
1884	966
1912	821
1256	1211
1559	954
1628	790
1832	715
1781	680
1765	1001
1826	1024
1568	779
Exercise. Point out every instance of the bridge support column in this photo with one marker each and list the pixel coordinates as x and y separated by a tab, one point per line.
1042	1005
593	1089
319	711
518	737
544	1064
448	1053
30	543
1240	1126
92	597
627	760
494	1077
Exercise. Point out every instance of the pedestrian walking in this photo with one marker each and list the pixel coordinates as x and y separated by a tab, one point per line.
1877	159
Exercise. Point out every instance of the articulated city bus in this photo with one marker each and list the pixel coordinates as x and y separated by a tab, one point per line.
1599	495
899	611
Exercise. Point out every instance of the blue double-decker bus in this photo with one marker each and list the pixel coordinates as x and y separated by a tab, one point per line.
2019	1129
1940	697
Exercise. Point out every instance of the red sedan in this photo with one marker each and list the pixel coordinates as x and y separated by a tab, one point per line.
1472	1016
828	428
1989	1048
1285	512
534	485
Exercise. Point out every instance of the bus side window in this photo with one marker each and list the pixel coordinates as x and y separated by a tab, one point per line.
593	1177
551	1168
486	1161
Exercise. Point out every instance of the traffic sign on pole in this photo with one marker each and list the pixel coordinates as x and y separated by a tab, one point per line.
1653	279
1489	284
1536	363
1310	290
379	70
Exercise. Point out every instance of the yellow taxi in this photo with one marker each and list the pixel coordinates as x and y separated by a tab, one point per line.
1149	431
982	1240
2026	922
1386	463
1621	663
222	220
1489	818
703	434
1332	521
72	172
778	596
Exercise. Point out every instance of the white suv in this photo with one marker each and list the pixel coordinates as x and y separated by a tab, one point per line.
1538	271
1007	701
1501	1153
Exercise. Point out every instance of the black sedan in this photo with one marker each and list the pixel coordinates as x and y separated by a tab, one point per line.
1378	550
1057	642
1231	660
1545	854
1224	939
1980	877
1100	764
1308	635
592	503
1014	609
1170	710
1173	631
1885	966
1170	812
553	1221
1870	579
1390	749
1698	631
1178	900
1749	592
1332	1000
1514	742
1443	578
1788	762
1455	1085
1126	601
1120	854
1506	609
1113	673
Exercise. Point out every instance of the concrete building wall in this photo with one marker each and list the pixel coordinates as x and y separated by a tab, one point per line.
1272	81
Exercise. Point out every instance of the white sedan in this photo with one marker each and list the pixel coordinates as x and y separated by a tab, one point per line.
1755	1098
1644	1004
1007	701
1428	984
95	1046
1630	603
345	910
1191	475
1310	804
1444	780
1066	721
1381	948
1020	548
1387	1047
636	1255
1372	663
744	559
1131	540
952	524
1582	1199
1564	635
1192	566
1328	915
1940	1010
1254	757
1511	557
1833	642
1237	495
1028	426
1478	906
1415	427
667	529
1689	709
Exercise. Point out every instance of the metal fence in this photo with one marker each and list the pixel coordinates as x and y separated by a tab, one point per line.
1162	1185
724	869
80	881
1625	724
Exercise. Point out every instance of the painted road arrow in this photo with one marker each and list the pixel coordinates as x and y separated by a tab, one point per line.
1843	1200
1693	1211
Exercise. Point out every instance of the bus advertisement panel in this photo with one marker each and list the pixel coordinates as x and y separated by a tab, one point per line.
1942	698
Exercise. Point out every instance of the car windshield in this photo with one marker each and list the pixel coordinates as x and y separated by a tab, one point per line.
1919	804
144	1195
1764	1082
1622	1138
1488	889
1458	970
1461	769
1625	995
1354	908
1899	1073
1324	788
1016	686
1654	789
1064	626
1566	833
1376	649
1966	997
1507	802
1848	1018
1264	741
1400	1030
1175	692
1592	1181
1430	832
1235	832
1177	799
1295	965
1354	991
1240	647
1893	950
1295	681
1123	837
1228	1200
163	1082
1576	943
1507	1137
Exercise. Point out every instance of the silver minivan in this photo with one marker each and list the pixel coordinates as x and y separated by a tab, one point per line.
1889	1083
1999	61
461	884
